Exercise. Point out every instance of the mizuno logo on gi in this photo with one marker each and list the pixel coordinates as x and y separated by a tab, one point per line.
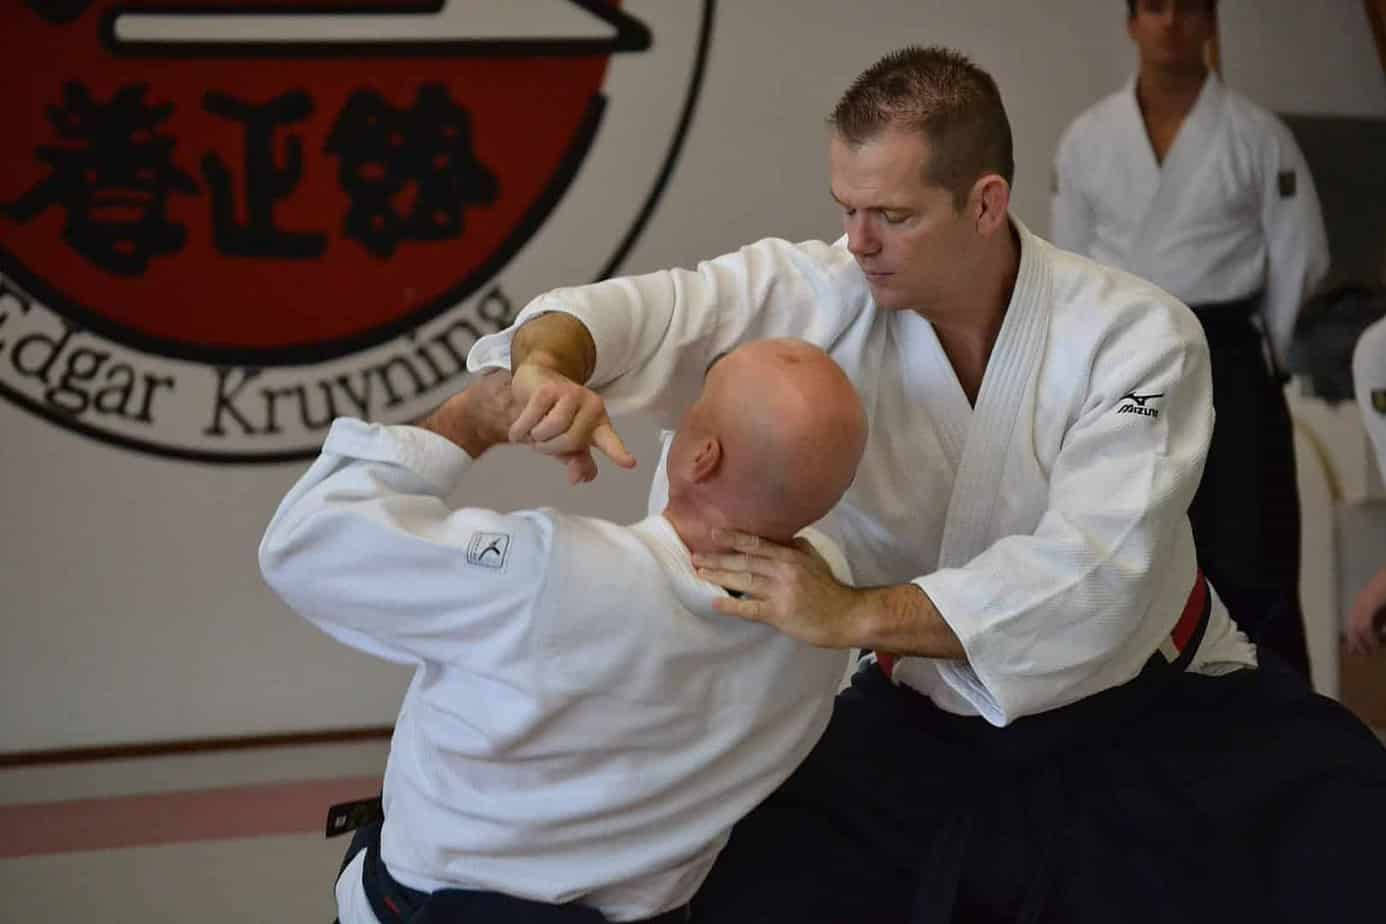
1379	400
489	550
1137	404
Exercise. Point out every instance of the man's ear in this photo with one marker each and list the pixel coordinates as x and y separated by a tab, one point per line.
991	197
705	459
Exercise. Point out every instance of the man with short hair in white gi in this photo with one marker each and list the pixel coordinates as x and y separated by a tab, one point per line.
1185	182
584	727
1367	619
1060	722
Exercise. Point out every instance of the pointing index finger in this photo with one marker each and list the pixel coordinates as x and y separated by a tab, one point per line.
605	438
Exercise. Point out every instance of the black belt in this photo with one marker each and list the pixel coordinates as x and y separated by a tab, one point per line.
1226	323
395	903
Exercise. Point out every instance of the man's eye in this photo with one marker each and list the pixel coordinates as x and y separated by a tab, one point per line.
894	219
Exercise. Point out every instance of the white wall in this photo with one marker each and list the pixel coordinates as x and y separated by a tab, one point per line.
134	610
1307	58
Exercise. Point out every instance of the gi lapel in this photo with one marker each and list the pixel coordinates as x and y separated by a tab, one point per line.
1004	398
1193	147
930	377
1139	175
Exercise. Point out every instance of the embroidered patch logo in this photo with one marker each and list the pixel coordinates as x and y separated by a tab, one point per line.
1379	400
489	550
1133	403
1286	179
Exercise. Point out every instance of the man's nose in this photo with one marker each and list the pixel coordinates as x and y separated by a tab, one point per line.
861	240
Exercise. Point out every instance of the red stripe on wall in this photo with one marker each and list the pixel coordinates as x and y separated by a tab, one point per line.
175	817
132	751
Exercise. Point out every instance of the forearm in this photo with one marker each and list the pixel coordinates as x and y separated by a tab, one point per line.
557	341
476	418
903	620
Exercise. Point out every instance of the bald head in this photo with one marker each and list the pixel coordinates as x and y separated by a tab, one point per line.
770	446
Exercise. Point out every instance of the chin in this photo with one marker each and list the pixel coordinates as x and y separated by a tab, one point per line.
882	295
891	299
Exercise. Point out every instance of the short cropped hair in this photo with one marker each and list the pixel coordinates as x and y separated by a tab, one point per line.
1131	7
944	96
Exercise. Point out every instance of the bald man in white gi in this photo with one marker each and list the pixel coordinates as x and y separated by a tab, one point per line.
1367	618
1185	182
583	727
1060	723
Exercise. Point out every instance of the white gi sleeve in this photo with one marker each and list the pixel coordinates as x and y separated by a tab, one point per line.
1047	617
1296	242
366	547
1071	220
655	334
1369	384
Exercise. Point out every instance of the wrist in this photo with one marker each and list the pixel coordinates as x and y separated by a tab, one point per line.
556	341
902	619
550	360
882	616
485	413
457	421
470	438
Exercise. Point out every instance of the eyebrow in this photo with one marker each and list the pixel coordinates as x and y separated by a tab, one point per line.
878	208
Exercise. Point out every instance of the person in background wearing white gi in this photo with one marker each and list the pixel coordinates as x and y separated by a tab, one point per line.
1185	182
1367	618
584	727
1061	722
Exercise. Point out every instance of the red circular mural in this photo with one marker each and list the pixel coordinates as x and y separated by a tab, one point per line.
245	202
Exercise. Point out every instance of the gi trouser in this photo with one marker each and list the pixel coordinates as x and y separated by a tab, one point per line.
1245	797
1245	514
395	903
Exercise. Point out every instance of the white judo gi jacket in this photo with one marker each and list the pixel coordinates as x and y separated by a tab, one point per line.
1231	211
1369	385
582	724
1047	524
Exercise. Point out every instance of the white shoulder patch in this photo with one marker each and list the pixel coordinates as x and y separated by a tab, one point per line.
489	550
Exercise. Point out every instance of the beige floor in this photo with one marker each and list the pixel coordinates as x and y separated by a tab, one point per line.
272	878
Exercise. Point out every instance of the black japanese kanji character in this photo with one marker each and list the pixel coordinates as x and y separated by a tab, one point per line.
265	181
113	174
409	172
59	11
